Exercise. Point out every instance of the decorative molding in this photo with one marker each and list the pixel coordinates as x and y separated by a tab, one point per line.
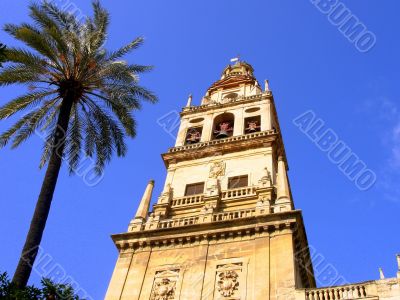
205	234
230	278
217	169
165	285
227	278
216	105
226	145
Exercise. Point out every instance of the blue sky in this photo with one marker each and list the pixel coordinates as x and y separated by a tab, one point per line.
310	65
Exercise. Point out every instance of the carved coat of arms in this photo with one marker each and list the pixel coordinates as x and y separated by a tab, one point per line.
227	283
217	169
164	290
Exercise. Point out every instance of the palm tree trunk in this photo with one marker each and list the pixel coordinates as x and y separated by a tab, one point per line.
38	222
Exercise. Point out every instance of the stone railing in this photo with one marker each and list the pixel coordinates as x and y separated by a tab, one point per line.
238	193
354	291
223	216
222	141
231	215
217	104
187	200
178	222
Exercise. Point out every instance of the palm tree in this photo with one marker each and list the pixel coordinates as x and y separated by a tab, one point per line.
80	98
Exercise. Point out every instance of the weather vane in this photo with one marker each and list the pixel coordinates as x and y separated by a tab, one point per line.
235	59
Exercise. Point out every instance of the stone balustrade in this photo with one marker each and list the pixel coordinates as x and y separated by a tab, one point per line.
223	216
221	141
187	200
178	222
231	215
238	193
216	104
354	291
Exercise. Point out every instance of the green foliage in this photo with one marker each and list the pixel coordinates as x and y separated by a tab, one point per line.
2	53
48	291
65	58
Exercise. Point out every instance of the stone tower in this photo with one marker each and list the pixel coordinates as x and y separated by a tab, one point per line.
225	226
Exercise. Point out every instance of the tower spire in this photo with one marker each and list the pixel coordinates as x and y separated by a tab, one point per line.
144	205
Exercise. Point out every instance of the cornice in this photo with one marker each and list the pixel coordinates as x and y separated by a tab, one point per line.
215	105
227	145
219	231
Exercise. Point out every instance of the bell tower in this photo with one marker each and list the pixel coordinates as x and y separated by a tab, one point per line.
224	226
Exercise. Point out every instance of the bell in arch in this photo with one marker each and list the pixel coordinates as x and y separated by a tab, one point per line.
224	130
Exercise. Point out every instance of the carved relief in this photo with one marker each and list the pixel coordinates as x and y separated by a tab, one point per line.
164	286
265	181
208	208
263	204
228	281
167	194
217	169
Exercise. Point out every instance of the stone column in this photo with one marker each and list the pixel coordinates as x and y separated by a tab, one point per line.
207	128
283	201
266	116
238	126
180	139
143	209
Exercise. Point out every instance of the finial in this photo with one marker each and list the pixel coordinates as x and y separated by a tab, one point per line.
144	205
381	275
189	101
266	85
235	59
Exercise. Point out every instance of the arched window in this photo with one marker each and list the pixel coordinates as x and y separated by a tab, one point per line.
223	126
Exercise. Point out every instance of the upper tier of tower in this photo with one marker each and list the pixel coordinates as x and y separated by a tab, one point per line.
235	105
236	81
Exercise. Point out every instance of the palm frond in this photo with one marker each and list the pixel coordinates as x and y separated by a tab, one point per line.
35	39
47	147
74	140
27	124
20	74
23	102
121	112
136	43
64	19
27	129
101	22
22	56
